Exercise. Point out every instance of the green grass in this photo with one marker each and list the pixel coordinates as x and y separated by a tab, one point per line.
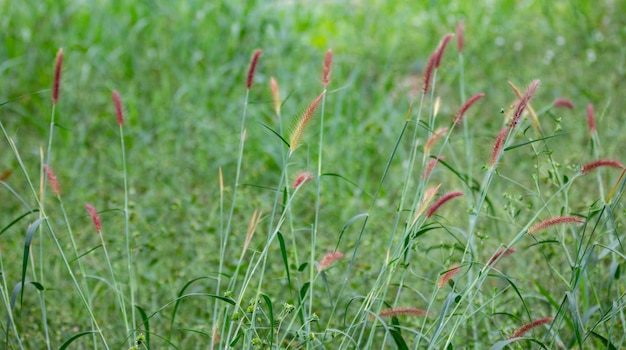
180	68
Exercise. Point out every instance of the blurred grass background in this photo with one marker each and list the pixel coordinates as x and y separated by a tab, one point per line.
180	68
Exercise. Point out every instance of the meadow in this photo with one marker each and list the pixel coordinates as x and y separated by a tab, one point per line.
299	175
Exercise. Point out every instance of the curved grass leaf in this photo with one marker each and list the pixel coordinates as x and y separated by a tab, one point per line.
503	343
29	238
146	324
270	311
16	221
397	338
74	337
177	303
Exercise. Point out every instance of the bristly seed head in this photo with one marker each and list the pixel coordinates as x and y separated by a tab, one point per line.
524	102
466	106
327	65
410	311
328	260
442	47
591	119
428	72
555	221
452	271
296	135
302	178
525	328
57	77
459	36
253	63
94	217
564	103
585	169
118	108
497	147
275	95
52	179
431	165
442	201
501	252
431	140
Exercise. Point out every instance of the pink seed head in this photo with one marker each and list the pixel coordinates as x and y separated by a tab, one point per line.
94	217
527	327
431	140
497	146
523	102
500	253
119	111
459	36
442	201
326	71
302	178
466	106
328	260
563	103
57	77
52	180
591	119
454	269
431	165
585	169
555	221
253	63
428	72
410	311
442	47
275	95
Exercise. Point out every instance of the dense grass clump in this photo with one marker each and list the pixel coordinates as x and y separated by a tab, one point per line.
282	175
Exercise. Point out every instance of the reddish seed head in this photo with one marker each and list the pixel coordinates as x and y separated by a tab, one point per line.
466	106
525	328
564	103
94	217
431	140
296	135
118	108
442	47
585	169
57	77
52	180
431	165
501	252
253	63
302	178
411	311
326	72
497	147
328	260
275	95
454	269
524	102
591	119
428	72
555	221
441	202
459	36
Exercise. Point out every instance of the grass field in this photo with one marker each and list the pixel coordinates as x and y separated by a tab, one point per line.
205	242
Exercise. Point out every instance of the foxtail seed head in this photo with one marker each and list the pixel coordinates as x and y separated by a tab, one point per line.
328	260
118	108
555	221
585	169
296	135
442	47
327	65
441	202
57	77
523	102
52	180
591	118
253	63
527	327
454	269
459	36
275	95
466	106
563	103
97	224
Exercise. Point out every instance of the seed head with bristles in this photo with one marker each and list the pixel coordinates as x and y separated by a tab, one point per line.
441	202
452	271
431	165
585	169
591	119
500	253
466	106
52	180
563	102
442	48
428	72
328	260
459	37
327	65
497	146
555	221
409	311
57	77
275	95
431	141
302	178
296	134
527	327
118	108
532	88
97	224
254	61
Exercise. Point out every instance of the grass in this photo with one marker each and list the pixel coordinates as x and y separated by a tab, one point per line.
169	267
